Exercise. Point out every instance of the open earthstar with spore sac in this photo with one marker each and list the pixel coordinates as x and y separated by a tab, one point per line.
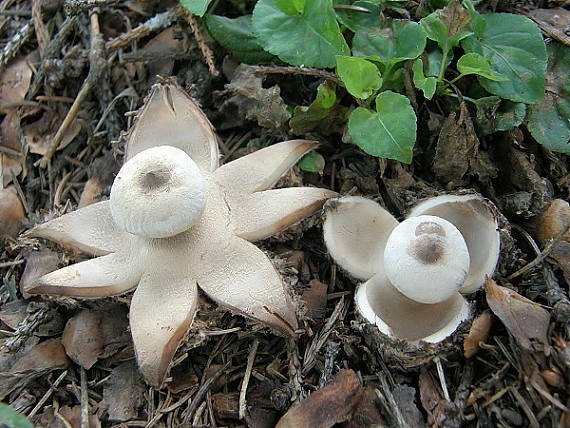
176	221
414	274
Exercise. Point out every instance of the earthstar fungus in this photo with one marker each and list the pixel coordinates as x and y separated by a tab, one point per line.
414	273
176	221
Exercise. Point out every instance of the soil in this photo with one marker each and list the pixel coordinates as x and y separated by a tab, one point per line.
70	362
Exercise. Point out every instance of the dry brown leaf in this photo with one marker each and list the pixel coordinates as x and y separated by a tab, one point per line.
103	172
38	263
561	253
82	338
479	332
441	413
554	22
124	392
527	321
15	81
315	299
13	313
11	213
45	356
330	405
10	130
72	416
91	335
165	43
366	413
225	405
40	133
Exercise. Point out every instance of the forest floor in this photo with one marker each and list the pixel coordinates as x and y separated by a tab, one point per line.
70	362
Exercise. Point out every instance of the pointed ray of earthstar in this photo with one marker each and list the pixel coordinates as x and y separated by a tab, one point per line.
260	170
103	276
181	124
162	308
263	214
90	229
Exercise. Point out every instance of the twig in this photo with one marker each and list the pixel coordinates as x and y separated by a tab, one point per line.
84	399
14	263
545	252
75	7
298	70
295	377
204	48
203	389
157	22
47	394
247	375
442	381
42	34
96	66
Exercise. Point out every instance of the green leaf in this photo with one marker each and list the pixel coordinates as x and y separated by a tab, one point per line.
427	85
448	26
9	418
310	39
514	48
400	41
494	114
356	20
197	7
473	63
312	162
389	132
434	59
291	7
549	121
323	113
360	77
236	35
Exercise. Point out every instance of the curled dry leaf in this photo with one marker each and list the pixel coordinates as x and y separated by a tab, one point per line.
333	404
527	321
124	392
479	332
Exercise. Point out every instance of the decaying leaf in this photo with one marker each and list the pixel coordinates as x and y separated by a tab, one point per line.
366	413
553	21
38	263
13	313
11	213
479	332
102	174
72	415
40	133
10	129
15	81
527	321
441	413
315	299
265	106
91	335
330	405
39	360
456	149
123	394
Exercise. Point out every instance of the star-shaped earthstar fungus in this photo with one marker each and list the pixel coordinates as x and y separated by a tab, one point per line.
177	221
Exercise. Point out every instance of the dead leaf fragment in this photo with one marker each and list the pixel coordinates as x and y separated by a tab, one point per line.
15	81
82	338
554	22
366	413
91	335
123	394
13	313
479	332
315	299
265	106
456	149
11	213
72	416
10	131
527	321
45	356
330	405
38	263
441	413
553	222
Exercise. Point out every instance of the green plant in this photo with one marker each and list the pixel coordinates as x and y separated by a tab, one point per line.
502	56
9	418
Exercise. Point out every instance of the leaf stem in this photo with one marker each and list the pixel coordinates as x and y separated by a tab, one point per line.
442	66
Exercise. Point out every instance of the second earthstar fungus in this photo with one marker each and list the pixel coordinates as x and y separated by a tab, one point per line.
177	221
414	274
